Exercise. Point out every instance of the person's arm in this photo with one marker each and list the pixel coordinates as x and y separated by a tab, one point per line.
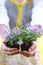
37	18
4	26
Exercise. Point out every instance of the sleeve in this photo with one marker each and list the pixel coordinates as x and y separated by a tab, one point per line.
4	19
37	14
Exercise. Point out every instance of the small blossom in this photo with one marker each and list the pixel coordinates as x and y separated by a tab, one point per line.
10	37
20	42
38	26
16	31
27	24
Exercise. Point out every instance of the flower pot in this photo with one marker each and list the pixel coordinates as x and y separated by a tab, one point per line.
12	46
25	47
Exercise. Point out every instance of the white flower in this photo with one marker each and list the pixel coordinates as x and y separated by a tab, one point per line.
20	42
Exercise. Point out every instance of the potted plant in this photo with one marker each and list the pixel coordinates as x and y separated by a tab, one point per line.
29	34
23	38
12	39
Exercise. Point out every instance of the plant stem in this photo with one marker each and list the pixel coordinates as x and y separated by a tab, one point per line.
20	47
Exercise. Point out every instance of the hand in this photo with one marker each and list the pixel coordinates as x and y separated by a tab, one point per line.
31	51
10	51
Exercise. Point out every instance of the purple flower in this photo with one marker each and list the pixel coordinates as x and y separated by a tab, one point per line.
10	37
16	31
38	26
28	24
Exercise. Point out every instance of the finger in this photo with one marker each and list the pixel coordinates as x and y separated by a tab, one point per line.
32	53
32	47
11	53
8	49
25	53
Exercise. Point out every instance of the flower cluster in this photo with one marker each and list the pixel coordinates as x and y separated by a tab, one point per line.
26	35
13	37
31	33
